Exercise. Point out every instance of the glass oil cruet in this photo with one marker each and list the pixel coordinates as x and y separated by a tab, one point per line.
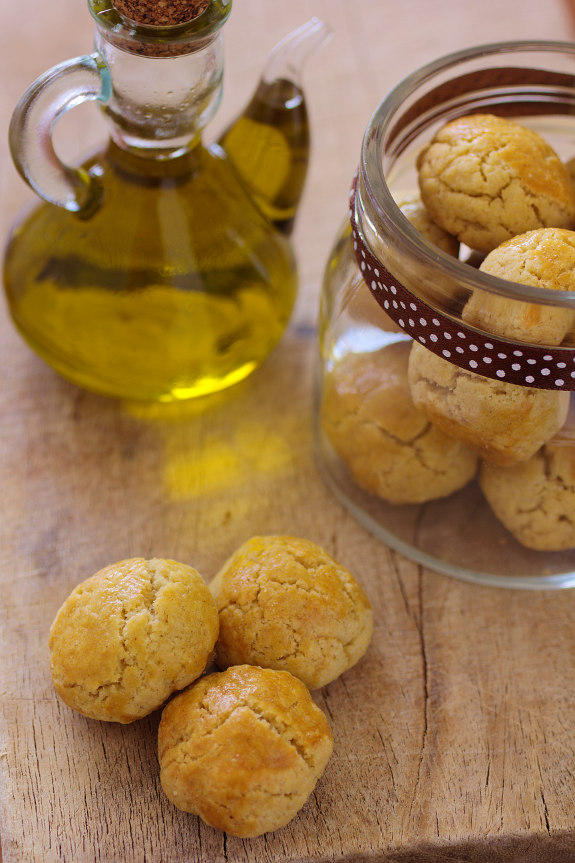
161	269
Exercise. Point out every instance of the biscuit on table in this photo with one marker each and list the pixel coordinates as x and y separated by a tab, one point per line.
535	500
131	635
504	423
389	446
486	179
284	603
544	258
243	749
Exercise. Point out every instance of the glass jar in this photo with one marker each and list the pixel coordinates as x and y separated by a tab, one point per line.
393	309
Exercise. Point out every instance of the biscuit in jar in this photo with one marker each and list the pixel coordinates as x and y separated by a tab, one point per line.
285	603
128	637
243	749
442	295
390	447
544	258
535	500
486	179
417	214
358	298
504	423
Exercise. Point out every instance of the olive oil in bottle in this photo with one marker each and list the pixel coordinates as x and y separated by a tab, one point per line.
269	146
155	271
158	294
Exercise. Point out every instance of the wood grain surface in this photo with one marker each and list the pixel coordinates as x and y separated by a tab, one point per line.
455	735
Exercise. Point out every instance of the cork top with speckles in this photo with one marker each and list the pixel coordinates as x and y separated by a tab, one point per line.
161	13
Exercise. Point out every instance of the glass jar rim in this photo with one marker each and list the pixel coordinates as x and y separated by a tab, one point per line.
382	204
192	35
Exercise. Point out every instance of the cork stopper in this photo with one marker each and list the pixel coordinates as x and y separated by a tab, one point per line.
161	13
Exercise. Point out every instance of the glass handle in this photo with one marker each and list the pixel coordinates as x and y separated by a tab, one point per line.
31	131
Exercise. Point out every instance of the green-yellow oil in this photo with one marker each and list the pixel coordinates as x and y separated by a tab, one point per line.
176	285
269	145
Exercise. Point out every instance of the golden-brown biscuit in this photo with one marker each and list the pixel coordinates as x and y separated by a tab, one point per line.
441	294
505	423
416	212
354	295
486	179
129	636
243	749
284	603
535	500
544	258
389	446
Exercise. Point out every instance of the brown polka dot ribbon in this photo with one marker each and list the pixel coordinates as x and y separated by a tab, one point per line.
514	362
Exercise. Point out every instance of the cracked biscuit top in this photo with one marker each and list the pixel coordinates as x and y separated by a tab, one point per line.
544	258
535	500
284	603
129	636
504	423
486	179
389	446
243	749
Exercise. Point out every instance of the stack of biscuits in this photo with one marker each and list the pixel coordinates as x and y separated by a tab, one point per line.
242	747
412	426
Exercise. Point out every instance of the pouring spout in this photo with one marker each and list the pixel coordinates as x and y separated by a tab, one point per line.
268	144
288	58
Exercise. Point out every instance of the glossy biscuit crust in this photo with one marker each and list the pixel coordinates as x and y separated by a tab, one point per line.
129	636
243	749
486	179
284	603
544	258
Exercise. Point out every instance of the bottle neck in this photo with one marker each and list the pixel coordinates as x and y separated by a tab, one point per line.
159	104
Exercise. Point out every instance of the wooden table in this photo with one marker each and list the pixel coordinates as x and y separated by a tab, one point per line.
455	735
